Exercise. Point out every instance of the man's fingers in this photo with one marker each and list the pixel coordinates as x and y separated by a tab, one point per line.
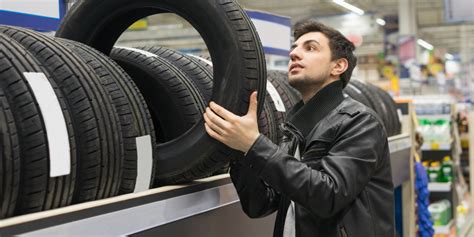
221	111
212	133
212	125
216	119
253	103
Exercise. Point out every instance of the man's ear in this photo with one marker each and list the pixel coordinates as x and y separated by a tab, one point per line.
340	66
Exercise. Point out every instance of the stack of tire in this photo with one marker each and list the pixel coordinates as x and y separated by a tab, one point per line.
72	124
81	120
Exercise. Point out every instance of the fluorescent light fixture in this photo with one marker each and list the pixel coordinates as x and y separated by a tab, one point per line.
380	21
425	44
348	6
448	56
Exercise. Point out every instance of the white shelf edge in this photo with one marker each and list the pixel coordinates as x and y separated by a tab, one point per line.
442	146
439	187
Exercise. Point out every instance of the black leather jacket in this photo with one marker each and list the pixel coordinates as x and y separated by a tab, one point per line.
341	187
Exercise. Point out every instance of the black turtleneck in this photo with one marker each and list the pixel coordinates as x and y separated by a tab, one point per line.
305	116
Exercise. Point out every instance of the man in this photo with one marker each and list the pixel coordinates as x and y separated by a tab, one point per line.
331	174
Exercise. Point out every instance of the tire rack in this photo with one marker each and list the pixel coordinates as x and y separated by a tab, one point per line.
206	207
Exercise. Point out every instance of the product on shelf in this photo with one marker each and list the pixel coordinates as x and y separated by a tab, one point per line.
434	171
440	172
440	212
447	169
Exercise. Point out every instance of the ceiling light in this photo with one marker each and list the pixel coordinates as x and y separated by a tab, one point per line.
380	21
348	6
425	44
448	56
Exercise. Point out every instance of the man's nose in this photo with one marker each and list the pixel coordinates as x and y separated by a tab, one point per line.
295	55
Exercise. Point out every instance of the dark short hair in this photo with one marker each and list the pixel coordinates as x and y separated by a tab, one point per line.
340	46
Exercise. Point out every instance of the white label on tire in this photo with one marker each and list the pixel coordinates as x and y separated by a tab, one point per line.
144	163
275	97
202	59
146	53
56	128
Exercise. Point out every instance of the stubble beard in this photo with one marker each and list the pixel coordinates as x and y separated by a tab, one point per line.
299	83
306	85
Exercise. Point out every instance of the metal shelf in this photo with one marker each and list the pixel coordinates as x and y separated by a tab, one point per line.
206	207
435	116
437	146
399	147
132	213
440	187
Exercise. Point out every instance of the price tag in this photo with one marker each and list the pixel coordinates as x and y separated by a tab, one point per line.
435	146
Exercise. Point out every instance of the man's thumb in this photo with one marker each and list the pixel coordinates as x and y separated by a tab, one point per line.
253	103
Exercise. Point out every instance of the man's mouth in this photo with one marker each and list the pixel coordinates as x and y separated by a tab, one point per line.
295	66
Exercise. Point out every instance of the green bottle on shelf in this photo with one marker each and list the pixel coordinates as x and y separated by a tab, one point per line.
447	169
434	171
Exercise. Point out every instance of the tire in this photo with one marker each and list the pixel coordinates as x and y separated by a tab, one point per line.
267	123
28	143
199	74
9	153
356	94
384	112
269	115
98	141
135	119
268	120
205	62
175	104
366	93
283	92
281	77
374	102
396	126
239	64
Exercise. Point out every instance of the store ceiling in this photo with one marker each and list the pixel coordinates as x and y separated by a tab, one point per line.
429	12
429	16
453	38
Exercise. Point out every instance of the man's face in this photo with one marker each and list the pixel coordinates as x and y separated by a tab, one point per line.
310	62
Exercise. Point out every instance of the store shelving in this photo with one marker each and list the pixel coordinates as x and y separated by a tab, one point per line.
206	207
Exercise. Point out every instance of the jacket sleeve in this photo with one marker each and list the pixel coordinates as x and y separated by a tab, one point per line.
344	172
256	197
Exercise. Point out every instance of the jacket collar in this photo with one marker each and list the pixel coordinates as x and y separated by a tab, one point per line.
305	116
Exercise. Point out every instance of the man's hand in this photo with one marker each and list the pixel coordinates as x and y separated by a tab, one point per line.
237	132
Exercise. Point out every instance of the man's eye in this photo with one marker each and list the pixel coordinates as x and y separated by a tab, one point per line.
311	48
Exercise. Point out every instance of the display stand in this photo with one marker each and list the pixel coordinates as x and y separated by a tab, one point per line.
455	191
207	207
